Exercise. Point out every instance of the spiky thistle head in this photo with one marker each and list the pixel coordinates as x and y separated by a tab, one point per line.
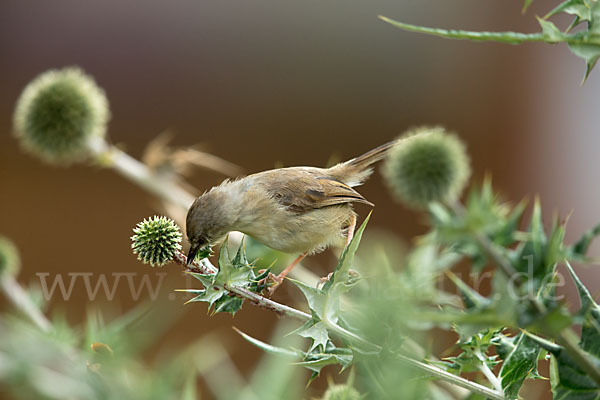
156	240
430	165
341	392
9	258
57	114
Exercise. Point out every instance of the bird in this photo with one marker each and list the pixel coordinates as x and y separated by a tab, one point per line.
296	210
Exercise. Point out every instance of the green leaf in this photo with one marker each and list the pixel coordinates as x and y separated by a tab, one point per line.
269	348
473	355
526	5
313	360
579	250
590	329
317	332
590	52
520	356
574	7
471	298
318	302
551	32
567	379
340	274
232	272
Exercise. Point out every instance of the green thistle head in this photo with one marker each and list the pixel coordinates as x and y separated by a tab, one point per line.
156	240
9	258
429	165
58	113
341	392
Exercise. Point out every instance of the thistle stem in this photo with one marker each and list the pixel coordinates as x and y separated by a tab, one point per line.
139	173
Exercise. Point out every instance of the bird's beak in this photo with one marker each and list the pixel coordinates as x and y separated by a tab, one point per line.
192	253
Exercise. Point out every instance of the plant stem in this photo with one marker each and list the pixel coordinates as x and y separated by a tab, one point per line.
503	37
21	300
491	377
139	173
269	304
454	379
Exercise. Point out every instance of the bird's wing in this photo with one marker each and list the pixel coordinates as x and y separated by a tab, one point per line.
304	189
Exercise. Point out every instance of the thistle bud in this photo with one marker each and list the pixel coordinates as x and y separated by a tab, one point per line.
58	113
431	165
156	240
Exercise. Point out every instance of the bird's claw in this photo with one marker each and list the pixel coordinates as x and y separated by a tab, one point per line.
269	284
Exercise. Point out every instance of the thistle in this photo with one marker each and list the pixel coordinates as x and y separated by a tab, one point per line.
58	113
156	240
431	166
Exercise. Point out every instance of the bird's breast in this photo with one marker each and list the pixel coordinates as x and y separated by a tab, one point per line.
289	232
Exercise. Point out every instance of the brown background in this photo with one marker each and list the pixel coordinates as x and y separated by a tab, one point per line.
266	83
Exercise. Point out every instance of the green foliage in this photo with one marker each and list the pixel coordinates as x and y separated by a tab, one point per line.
58	113
9	258
429	165
519	356
156	240
584	43
232	272
341	392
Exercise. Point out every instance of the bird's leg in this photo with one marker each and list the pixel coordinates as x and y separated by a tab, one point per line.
349	237
278	279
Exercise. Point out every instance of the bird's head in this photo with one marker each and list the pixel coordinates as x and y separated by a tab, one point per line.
207	222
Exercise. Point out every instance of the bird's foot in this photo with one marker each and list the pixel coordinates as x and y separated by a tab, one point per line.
269	284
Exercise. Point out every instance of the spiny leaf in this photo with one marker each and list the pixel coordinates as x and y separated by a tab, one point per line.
575	7
567	378
590	330
236	272
551	32
340	274
314	361
269	348
317	332
590	52
579	250
317	301
471	298
520	357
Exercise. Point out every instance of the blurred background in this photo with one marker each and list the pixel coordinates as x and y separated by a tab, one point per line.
278	83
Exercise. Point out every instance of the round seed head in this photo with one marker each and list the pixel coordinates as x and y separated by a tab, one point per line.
156	240
58	113
9	258
429	165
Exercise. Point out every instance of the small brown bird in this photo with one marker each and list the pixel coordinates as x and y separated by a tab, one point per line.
294	210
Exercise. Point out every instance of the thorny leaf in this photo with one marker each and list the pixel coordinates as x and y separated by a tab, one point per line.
232	272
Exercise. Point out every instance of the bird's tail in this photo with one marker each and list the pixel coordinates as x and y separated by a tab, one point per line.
355	171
